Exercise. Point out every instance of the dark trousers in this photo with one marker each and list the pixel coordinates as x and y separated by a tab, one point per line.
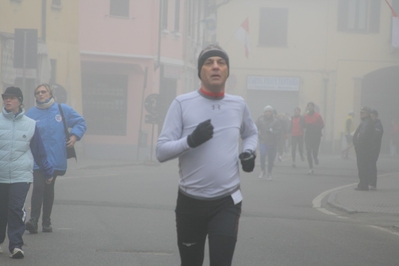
270	151
197	219
312	148
365	168
297	141
12	213
373	174
42	194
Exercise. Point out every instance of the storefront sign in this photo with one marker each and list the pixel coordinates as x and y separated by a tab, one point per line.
273	83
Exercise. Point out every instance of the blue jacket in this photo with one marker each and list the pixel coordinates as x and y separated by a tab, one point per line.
51	128
20	145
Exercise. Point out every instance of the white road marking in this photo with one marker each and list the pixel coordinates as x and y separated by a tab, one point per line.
317	201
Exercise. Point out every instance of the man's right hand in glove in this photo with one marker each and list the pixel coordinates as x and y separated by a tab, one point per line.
202	133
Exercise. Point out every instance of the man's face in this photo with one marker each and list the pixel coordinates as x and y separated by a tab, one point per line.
11	103
373	116
310	107
214	73
363	114
297	112
268	114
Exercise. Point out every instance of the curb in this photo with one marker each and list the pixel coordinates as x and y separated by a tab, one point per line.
331	202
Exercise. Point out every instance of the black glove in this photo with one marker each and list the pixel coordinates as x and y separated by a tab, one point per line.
247	161
202	133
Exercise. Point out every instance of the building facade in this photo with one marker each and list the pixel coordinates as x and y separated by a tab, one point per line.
51	34
336	53
136	57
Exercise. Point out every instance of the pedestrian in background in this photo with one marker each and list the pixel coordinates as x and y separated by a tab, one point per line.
296	129
282	140
378	133
363	141
313	131
20	146
348	131
202	128
394	138
48	119
269	131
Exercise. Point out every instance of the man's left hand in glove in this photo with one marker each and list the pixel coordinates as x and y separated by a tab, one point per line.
247	159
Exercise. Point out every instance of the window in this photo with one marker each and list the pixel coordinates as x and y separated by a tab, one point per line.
395	6
105	108
56	4
361	16
119	8
273	27
177	15
164	22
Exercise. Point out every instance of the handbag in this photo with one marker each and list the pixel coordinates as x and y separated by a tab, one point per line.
71	153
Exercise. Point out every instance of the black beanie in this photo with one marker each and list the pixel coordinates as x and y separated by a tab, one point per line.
14	91
209	51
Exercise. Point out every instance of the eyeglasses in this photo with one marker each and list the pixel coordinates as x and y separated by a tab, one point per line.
40	92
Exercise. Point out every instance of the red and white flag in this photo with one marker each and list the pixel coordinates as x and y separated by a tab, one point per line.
395	26
242	35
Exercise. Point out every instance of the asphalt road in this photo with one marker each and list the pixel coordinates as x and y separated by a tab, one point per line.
125	216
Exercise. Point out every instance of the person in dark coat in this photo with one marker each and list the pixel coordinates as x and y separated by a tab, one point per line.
363	141
378	132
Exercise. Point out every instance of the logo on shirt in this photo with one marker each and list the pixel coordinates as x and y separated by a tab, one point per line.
58	118
216	106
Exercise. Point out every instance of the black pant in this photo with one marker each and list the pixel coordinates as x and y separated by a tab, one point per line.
373	174
365	168
297	141
42	194
312	148
197	219
12	213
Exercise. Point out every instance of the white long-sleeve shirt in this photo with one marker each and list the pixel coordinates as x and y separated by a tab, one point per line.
210	170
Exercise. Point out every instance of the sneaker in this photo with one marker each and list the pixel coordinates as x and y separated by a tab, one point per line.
316	161
311	172
17	253
47	229
262	174
269	176
31	226
372	188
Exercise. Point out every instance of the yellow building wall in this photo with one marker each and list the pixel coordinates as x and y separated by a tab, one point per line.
62	38
316	52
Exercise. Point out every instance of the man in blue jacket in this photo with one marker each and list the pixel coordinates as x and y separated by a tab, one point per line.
20	145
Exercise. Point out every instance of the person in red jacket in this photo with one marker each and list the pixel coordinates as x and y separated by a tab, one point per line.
313	125
297	123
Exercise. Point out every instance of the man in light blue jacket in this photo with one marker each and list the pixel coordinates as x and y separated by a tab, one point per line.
20	146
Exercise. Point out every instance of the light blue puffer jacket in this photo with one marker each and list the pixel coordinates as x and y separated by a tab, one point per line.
16	159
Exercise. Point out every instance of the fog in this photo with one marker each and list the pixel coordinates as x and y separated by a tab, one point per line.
121	63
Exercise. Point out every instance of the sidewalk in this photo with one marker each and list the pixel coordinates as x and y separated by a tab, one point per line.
377	203
383	200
